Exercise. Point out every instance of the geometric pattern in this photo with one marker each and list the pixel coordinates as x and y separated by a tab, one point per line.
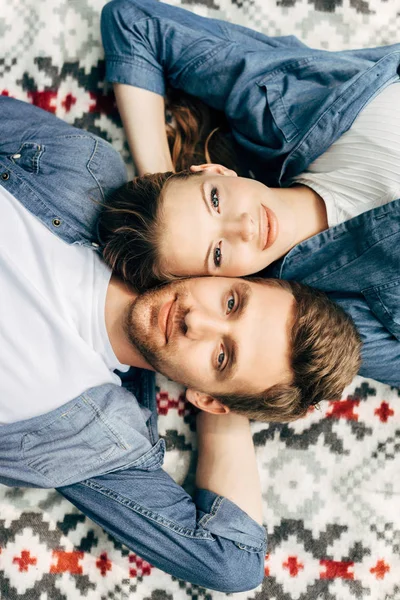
330	481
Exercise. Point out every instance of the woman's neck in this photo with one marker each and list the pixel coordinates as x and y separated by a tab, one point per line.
308	209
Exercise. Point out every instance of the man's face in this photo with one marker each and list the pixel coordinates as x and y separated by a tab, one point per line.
215	335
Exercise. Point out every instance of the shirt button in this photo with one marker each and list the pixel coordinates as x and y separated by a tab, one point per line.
56	222
5	176
95	245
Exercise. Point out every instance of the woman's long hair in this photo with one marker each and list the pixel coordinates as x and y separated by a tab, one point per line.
197	134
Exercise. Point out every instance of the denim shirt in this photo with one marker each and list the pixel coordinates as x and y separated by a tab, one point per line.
101	450
286	104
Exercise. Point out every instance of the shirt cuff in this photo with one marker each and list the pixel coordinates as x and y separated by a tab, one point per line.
131	72
224	518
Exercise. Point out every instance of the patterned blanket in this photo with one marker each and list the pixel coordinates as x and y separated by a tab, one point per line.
331	482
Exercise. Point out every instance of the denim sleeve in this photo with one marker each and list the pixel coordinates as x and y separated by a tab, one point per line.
147	42
209	541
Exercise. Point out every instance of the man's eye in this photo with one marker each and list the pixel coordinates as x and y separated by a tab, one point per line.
230	304
215	199
221	358
217	256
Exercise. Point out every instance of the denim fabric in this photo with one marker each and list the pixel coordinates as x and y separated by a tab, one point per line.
107	438
210	541
98	432
40	156
286	103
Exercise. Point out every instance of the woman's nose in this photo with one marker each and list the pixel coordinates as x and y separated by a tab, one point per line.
243	228
200	325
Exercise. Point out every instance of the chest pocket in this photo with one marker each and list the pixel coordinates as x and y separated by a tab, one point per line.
278	110
384	301
83	441
28	157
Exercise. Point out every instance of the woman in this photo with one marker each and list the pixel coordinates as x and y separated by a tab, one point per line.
284	104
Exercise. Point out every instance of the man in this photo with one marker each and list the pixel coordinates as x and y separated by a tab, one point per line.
66	325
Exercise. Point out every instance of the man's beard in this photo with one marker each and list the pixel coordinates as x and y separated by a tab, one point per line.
134	329
138	326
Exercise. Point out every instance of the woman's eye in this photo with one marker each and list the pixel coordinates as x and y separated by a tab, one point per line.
215	199
221	358
230	304
217	256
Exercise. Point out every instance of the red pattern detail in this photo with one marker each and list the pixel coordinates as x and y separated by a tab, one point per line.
293	566
336	569
68	102
4	93
380	569
141	567
266	567
104	564
165	403
102	103
45	99
67	562
24	561
343	409
384	412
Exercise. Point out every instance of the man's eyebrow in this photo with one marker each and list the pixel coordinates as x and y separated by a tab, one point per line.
231	366
243	291
208	207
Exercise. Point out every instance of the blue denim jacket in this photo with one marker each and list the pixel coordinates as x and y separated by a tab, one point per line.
106	439
286	104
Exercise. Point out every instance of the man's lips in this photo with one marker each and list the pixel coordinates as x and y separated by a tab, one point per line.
269	227
166	318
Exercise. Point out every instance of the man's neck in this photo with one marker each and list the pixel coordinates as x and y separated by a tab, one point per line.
119	297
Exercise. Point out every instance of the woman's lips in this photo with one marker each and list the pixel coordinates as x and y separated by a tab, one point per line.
270	230
164	321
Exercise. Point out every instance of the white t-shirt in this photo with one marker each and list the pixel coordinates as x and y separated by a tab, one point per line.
361	170
53	339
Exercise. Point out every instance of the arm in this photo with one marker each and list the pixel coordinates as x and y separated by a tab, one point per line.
149	44
226	463
210	541
143	116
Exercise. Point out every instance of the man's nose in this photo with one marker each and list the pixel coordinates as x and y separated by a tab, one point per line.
201	325
242	228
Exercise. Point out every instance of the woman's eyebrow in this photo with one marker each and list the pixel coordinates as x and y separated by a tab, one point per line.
208	207
207	258
203	195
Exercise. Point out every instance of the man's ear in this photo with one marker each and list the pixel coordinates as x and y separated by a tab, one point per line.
206	402
213	169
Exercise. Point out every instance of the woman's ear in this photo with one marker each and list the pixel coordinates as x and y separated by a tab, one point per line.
213	169
205	402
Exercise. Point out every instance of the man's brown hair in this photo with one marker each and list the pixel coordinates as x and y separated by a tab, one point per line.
324	357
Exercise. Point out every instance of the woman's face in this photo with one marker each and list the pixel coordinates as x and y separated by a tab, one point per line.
219	224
